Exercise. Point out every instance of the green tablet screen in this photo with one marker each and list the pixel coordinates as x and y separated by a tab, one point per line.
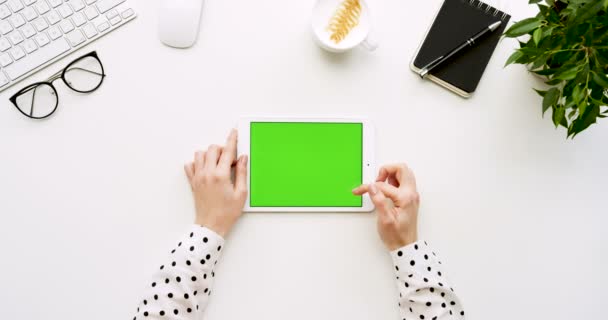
303	164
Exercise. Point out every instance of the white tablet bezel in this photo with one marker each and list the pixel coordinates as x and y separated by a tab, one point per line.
368	164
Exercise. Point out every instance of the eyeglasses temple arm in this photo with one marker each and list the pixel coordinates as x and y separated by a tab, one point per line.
55	76
89	71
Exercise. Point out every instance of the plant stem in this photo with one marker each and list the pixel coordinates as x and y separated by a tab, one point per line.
564	50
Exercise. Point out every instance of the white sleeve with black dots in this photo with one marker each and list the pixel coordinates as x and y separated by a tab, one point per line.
181	287
424	291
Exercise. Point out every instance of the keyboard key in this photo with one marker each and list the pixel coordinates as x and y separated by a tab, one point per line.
89	30
29	13
40	24
38	58
105	5
17	20
5	27
29	2
54	32
127	13
15	37
66	26
103	26
115	20
79	19
15	5
65	11
4	11
55	3
53	17
42	7
3	79
77	5
42	39
17	53
75	37
111	14
4	44
5	60
29	46
28	31
90	1
91	12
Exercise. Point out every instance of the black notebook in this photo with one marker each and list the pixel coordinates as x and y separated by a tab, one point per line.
456	21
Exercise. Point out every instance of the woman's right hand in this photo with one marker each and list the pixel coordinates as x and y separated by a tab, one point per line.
397	221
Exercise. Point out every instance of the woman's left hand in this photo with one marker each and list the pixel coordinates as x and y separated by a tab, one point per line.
218	200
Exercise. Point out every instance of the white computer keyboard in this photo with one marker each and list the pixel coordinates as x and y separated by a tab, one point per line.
35	33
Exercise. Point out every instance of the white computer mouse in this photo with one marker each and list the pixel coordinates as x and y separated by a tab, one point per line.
179	22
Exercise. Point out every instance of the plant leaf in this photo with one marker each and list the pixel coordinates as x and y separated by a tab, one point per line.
550	98
540	61
546	72
568	74
554	82
540	92
516	55
548	31
588	11
558	115
523	27
582	107
584	120
577	94
600	79
537	35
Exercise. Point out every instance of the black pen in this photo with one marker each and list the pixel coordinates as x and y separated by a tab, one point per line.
470	42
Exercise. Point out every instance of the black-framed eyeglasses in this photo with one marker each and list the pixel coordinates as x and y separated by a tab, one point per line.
40	100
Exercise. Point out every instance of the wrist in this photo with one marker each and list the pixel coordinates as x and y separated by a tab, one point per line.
402	241
411	238
213	226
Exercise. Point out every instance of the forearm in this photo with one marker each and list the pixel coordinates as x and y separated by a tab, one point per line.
424	290
181	286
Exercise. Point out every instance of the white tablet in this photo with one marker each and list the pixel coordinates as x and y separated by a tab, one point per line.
307	165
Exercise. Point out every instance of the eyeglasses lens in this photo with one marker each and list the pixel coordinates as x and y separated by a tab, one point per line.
84	75
38	101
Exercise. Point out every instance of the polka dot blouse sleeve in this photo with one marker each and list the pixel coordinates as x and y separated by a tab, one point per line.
424	290
181	286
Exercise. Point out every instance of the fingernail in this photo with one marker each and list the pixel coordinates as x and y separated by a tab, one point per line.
372	189
244	159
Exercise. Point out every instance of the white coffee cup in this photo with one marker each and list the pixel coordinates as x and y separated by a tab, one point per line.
360	35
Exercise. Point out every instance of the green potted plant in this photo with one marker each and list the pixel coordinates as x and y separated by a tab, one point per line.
566	43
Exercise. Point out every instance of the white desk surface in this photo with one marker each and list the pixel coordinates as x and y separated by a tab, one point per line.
93	198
